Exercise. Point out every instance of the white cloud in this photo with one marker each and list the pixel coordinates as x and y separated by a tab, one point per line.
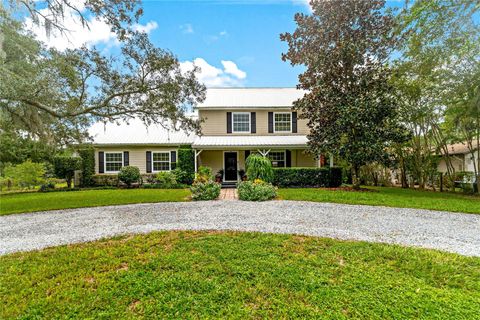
211	76
149	27
77	35
231	68
223	33
187	28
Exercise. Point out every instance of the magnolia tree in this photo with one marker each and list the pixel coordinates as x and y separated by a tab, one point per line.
350	105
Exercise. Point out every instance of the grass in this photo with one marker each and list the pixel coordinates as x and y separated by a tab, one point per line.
390	197
37	201
237	275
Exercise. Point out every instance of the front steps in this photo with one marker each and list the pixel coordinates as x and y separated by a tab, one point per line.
228	185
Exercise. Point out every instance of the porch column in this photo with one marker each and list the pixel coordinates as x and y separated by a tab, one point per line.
331	160
197	153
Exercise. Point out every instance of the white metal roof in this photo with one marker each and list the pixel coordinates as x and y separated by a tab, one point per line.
250	97
135	132
249	141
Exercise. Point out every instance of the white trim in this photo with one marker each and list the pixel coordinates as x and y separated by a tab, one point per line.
249	123
169	160
224	169
105	161
291	122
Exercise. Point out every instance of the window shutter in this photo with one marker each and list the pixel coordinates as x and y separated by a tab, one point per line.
294	122
253	122
229	122
126	159
173	160
270	122
288	158
149	162
247	153
101	162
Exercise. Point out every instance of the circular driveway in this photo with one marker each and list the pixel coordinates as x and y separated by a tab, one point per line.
453	232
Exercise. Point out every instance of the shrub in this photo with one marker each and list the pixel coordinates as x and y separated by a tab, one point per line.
204	174
65	167
182	176
308	177
129	175
257	190
102	180
26	175
185	169
209	190
259	167
165	180
47	186
336	177
87	166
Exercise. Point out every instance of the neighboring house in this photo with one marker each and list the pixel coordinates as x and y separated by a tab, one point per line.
236	123
461	157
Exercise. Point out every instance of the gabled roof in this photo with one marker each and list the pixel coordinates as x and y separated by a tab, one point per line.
250	98
460	148
136	133
249	141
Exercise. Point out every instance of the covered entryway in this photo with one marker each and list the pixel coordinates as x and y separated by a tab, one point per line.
230	163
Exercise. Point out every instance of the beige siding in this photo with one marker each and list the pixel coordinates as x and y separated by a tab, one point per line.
137	155
214	159
304	160
457	163
215	122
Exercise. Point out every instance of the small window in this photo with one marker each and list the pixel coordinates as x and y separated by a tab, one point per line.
161	161
113	161
277	158
241	122
283	122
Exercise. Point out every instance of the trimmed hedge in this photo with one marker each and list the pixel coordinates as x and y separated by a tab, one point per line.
185	165
87	166
102	180
307	177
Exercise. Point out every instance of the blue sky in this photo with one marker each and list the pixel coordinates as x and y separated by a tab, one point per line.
235	42
244	33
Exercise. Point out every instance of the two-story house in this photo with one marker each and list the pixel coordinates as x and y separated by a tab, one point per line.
235	123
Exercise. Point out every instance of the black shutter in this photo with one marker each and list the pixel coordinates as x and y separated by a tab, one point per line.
101	162
173	160
149	161
253	122
270	122
229	122
288	158
294	122
126	160
247	153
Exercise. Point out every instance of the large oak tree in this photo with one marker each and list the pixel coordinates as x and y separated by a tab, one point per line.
350	105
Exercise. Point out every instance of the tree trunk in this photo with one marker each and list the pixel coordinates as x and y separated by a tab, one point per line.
69	183
356	178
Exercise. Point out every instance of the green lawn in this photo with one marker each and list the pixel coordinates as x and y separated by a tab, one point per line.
37	201
391	197
238	275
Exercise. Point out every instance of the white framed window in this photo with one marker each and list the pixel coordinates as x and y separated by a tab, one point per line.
282	122
113	161
241	122
161	161
277	158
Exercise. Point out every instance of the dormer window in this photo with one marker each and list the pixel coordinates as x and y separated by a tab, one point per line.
282	122
241	122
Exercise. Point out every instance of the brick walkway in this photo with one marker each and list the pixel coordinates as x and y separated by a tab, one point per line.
228	194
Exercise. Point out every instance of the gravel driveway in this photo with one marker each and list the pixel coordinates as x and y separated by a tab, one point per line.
454	232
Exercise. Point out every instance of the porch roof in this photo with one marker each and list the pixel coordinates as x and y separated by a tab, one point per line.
245	142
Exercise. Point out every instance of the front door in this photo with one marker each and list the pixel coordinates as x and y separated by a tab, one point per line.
230	159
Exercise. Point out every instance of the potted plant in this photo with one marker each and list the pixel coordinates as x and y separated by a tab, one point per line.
242	175
219	176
